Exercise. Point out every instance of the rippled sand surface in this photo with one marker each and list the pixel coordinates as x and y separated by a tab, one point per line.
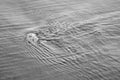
79	40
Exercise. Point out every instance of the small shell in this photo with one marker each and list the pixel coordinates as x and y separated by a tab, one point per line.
32	38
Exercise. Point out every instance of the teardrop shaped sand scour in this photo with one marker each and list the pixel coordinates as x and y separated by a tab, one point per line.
59	39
